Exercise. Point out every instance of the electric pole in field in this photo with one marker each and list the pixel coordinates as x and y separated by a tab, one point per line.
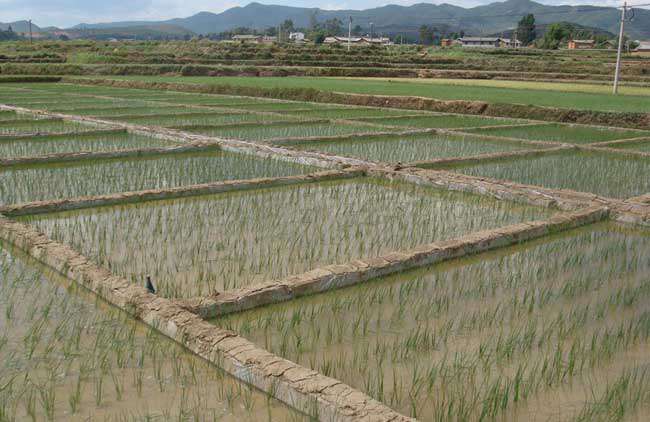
620	48
349	31
31	39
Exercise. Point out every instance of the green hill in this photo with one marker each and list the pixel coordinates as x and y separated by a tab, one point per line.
393	19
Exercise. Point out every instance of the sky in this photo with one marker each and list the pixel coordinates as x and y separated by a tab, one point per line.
65	13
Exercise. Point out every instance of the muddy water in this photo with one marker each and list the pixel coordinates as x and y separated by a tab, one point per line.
533	332
198	246
65	355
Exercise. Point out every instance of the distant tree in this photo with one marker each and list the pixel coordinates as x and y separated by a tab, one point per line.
357	30
287	26
526	29
426	35
313	21
319	36
64	37
554	36
334	26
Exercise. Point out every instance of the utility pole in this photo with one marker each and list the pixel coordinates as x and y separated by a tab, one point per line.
620	48
372	27
31	39
349	31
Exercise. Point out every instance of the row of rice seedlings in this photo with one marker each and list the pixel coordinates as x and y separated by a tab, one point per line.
561	133
65	355
26	99
399	148
351	113
127	109
42	126
198	246
203	119
214	100
43	145
636	146
8	115
282	106
622	398
12	115
73	179
262	132
70	102
600	173
482	338
443	121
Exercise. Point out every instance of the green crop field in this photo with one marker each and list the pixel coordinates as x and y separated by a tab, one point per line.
69	180
277	260
66	355
603	174
238	239
405	149
562	133
637	146
44	145
288	130
523	310
443	121
456	91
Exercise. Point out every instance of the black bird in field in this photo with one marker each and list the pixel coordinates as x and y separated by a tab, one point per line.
150	286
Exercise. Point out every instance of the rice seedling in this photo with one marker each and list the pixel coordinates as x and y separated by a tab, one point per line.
73	103
621	398
351	113
212	100
406	149
600	173
28	126
561	133
73	179
201	245
636	146
203	119
69	356
525	332
443	121
10	115
291	130
283	106
124	109
31	147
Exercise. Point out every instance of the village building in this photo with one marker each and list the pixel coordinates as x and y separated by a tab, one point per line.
581	44
358	40
489	42
448	42
254	39
643	47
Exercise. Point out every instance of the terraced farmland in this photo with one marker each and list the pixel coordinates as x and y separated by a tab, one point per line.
326	262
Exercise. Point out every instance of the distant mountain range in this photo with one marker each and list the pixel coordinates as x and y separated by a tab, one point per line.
19	26
393	19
